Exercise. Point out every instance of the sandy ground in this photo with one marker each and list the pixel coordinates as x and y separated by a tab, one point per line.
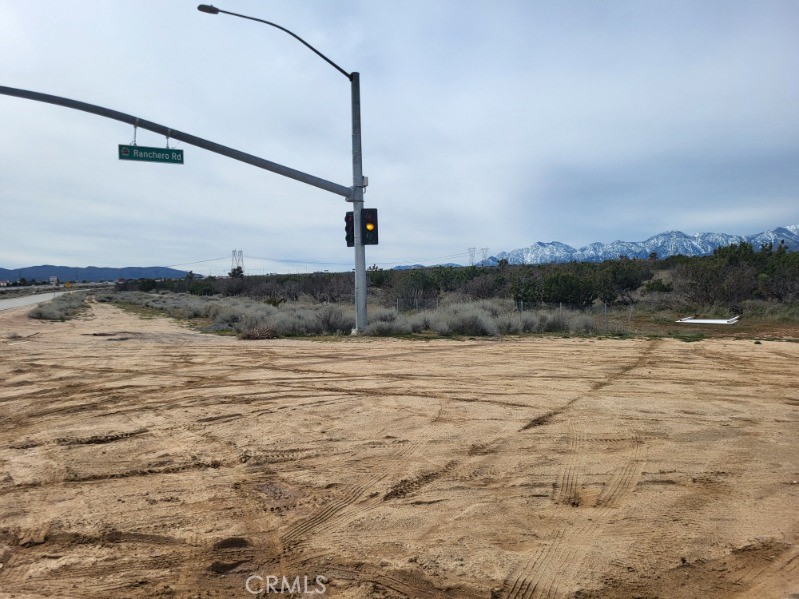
141	459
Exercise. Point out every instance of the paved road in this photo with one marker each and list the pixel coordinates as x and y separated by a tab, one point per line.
28	300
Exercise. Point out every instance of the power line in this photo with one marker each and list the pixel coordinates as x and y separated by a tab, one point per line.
318	263
196	262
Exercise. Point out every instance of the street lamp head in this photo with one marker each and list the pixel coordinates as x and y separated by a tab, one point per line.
211	10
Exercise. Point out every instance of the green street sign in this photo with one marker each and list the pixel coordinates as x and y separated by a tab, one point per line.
167	155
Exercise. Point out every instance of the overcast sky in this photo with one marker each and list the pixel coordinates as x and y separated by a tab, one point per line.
486	124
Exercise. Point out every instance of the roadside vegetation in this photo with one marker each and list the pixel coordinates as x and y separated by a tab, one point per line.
618	297
257	319
63	307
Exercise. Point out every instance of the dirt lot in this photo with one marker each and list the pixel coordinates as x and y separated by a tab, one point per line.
141	459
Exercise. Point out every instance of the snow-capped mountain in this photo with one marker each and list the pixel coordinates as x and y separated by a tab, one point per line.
665	244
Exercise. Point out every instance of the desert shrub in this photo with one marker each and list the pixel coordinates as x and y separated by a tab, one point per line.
299	323
494	307
510	324
540	321
61	308
530	322
187	311
580	324
213	310
464	319
772	311
419	322
385	328
274	301
382	315
333	319
549	322
47	312
226	317
381	328
103	297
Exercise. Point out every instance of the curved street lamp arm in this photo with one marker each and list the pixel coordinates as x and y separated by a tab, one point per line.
292	34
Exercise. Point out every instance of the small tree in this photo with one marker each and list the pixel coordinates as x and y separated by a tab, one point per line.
572	290
377	277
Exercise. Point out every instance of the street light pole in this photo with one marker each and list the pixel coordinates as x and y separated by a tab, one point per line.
357	206
358	180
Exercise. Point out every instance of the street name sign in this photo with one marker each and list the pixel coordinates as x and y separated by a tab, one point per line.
147	154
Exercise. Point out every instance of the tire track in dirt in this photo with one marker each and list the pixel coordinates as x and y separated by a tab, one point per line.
357	500
696	492
408	486
624	479
779	573
523	584
564	557
393	583
221	556
752	571
196	549
299	530
765	568
569	557
561	560
414	355
640	361
567	488
91	562
19	578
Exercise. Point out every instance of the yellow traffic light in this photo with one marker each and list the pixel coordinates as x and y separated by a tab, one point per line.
369	226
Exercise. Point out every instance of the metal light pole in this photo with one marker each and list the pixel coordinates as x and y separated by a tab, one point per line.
358	180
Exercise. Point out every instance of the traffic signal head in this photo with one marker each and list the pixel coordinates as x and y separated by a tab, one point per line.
369	226
349	229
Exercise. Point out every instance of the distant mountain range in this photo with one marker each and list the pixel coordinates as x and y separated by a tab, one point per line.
665	244
92	274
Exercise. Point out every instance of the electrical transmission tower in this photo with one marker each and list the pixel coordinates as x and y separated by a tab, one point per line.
237	260
484	252
471	256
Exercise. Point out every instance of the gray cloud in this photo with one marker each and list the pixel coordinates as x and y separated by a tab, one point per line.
485	124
